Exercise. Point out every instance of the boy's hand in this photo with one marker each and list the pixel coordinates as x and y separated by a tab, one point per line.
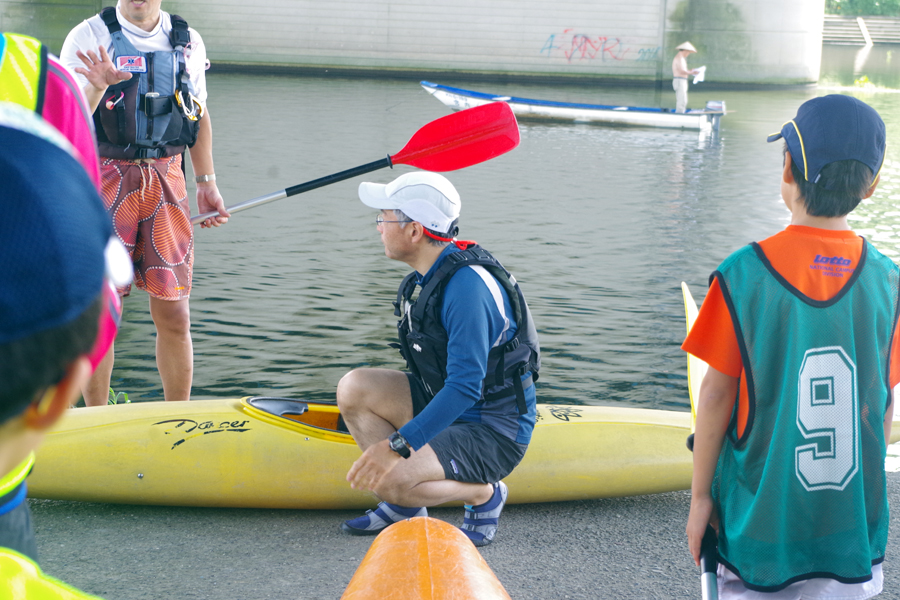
702	513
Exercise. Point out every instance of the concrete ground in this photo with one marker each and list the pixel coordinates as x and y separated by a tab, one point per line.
614	548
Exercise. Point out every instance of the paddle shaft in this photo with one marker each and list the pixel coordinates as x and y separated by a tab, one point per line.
300	188
451	142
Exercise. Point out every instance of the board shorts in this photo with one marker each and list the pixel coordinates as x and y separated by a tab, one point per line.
469	452
147	200
731	587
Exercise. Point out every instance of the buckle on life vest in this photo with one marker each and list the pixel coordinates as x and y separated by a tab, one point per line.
154	105
193	110
144	152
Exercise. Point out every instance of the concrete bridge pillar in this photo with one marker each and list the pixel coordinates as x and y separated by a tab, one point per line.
750	41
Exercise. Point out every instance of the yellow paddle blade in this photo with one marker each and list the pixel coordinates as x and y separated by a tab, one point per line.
696	368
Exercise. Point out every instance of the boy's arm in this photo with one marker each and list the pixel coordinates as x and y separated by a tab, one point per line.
714	408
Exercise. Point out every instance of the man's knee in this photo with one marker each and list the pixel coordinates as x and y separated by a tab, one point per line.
352	389
171	316
383	393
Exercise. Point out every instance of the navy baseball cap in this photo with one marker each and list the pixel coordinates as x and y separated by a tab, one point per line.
53	228
832	128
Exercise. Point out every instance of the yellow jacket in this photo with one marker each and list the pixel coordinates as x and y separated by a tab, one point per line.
22	579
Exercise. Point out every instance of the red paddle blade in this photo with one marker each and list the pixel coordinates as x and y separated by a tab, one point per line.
462	139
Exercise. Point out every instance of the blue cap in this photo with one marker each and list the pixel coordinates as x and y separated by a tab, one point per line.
53	228
833	128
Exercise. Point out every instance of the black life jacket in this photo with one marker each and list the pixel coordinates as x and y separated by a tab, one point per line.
142	117
423	339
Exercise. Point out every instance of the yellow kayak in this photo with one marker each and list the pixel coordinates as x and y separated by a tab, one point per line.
282	453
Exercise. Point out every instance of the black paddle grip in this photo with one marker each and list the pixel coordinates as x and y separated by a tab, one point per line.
709	550
329	179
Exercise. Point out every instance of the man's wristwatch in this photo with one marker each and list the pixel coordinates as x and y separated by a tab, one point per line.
399	444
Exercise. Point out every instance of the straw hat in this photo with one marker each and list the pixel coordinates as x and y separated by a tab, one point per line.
686	46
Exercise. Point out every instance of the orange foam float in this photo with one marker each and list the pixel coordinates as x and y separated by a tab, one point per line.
424	559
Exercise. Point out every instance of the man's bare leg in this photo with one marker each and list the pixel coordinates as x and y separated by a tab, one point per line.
374	403
174	349
420	481
96	391
377	402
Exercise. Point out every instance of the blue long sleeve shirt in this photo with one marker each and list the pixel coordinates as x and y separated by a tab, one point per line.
474	323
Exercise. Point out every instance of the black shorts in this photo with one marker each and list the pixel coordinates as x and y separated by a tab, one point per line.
469	452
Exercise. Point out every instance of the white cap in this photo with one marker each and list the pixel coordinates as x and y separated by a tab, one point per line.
425	197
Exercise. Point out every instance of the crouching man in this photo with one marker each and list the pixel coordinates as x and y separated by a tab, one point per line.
459	421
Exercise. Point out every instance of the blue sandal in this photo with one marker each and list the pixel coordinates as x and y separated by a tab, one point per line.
385	514
481	522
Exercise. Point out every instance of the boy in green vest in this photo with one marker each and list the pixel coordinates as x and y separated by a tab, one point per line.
54	234
794	414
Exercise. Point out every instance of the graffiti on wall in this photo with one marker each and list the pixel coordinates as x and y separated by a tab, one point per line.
579	46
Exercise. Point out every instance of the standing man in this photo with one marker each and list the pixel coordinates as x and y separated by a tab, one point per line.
461	419
143	73
680	74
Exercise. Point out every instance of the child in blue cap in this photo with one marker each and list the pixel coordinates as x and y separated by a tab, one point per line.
794	414
54	234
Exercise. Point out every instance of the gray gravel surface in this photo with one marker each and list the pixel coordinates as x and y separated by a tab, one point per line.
613	548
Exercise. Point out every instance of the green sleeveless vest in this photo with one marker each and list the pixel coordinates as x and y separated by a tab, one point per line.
802	492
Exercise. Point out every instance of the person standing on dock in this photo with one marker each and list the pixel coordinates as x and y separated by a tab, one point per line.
460	420
680	74
800	332
53	238
143	73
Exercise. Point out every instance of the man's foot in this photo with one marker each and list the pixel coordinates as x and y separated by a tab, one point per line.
385	514
481	522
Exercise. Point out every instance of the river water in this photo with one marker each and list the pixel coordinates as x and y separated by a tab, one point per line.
599	224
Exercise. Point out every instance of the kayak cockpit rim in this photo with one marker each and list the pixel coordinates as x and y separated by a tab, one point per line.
319	415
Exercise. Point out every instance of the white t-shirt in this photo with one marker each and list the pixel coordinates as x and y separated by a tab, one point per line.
732	588
93	33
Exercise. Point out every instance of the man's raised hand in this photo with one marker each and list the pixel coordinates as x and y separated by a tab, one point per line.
100	70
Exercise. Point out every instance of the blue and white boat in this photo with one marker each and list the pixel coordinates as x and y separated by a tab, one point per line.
705	120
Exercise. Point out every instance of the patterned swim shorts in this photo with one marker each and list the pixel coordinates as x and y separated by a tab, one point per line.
148	203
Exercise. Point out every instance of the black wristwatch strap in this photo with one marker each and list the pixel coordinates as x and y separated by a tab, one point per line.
399	444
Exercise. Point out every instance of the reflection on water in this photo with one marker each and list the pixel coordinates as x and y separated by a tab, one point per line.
847	65
599	224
